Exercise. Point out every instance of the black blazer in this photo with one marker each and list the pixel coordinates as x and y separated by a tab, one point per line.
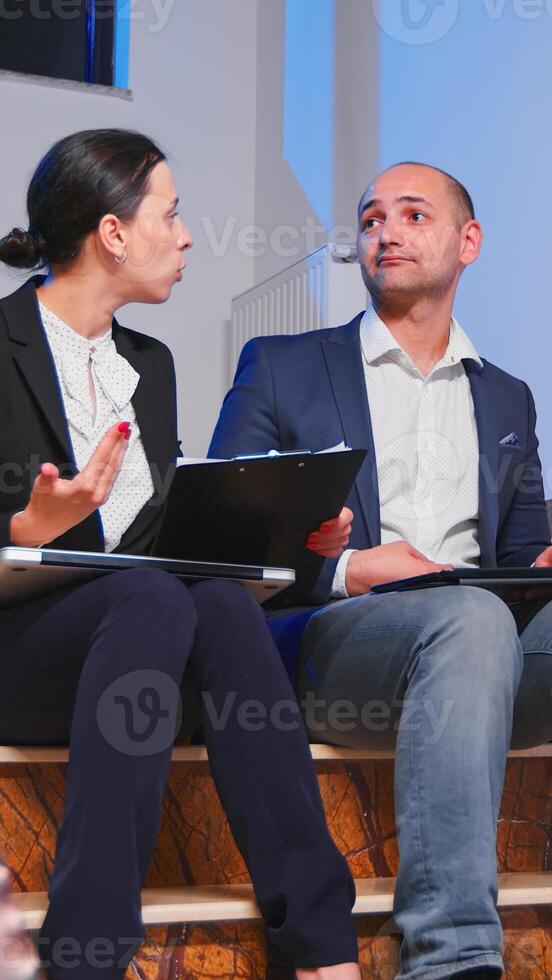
33	426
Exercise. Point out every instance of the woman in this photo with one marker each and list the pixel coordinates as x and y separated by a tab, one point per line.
82	397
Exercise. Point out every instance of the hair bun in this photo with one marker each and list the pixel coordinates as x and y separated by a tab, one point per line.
23	249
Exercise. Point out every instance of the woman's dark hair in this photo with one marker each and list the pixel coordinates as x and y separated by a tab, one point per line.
82	178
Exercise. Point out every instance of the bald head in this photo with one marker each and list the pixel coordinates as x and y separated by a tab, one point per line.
416	235
461	200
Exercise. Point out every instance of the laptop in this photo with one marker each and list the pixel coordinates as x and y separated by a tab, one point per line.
26	573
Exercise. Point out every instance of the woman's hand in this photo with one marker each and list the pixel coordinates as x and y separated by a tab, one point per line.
332	537
18	958
57	505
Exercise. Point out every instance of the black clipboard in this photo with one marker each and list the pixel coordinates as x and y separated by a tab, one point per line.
257	511
511	584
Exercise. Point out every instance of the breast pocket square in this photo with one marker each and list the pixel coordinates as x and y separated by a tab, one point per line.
511	440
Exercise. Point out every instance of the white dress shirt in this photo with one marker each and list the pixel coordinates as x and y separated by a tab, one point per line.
427	450
97	385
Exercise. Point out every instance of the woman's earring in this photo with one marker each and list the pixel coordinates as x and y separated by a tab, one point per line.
121	259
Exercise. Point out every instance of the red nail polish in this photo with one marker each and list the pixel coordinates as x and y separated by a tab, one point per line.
124	427
324	527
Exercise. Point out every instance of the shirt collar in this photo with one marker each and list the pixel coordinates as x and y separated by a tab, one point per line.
377	340
60	332
76	356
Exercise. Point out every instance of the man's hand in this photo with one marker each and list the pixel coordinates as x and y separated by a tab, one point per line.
545	558
385	563
332	537
57	505
543	594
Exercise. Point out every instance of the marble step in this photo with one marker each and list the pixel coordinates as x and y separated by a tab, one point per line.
195	846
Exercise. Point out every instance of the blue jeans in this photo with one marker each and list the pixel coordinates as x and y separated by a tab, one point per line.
435	673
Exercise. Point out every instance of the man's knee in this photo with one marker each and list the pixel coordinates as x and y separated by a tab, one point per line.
480	620
469	607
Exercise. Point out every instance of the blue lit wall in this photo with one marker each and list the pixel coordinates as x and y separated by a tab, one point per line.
477	102
309	100
122	44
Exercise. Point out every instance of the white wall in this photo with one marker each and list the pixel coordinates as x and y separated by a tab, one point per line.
470	91
194	92
336	101
210	88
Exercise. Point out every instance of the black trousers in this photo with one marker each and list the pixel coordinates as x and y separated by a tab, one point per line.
102	666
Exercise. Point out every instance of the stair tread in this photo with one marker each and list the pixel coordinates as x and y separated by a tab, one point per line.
224	903
198	753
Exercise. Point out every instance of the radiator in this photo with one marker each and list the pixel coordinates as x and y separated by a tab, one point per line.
322	290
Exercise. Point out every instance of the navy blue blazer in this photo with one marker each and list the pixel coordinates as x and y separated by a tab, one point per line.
308	391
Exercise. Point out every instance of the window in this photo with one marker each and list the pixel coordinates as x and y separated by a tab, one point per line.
79	40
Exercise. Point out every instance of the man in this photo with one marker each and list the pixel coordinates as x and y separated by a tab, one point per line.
452	477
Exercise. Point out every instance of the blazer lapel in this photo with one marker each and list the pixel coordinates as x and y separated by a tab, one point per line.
32	355
146	402
489	477
344	362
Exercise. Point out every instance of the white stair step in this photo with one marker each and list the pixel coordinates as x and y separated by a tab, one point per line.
226	903
198	753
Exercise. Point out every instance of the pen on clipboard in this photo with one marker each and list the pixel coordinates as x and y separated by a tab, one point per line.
340	448
274	453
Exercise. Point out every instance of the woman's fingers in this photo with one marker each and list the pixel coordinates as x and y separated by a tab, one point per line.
91	487
111	470
56	505
336	525
101	458
332	536
328	549
46	478
102	469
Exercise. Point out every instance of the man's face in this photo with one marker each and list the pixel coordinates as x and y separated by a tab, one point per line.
410	236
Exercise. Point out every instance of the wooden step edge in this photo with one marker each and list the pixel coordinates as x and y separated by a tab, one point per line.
228	903
22	755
